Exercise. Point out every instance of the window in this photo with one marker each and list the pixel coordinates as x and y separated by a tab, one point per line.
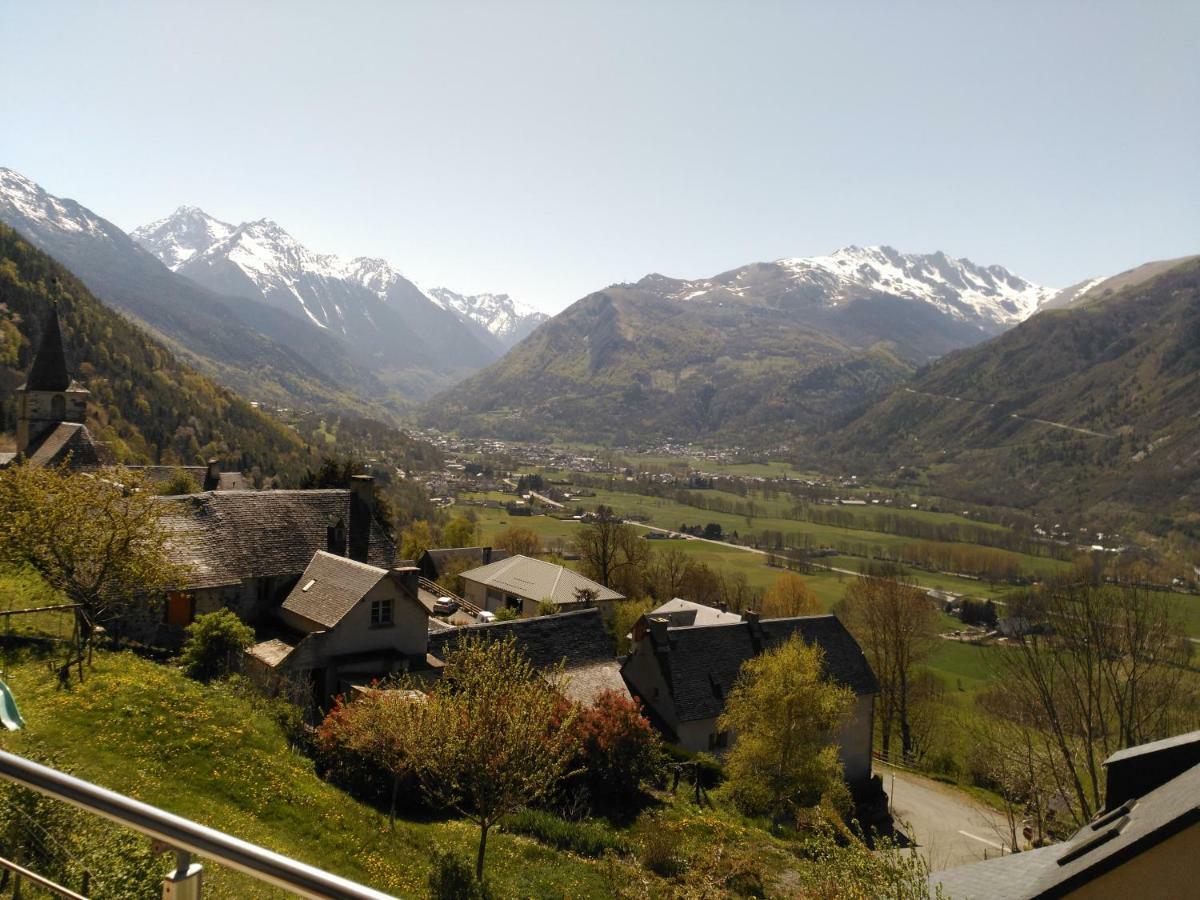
381	613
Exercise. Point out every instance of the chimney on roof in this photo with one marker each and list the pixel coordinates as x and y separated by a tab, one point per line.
362	511
658	630
750	615
212	477
409	579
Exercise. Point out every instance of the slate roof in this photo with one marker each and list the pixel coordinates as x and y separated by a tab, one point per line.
576	637
1171	743
65	439
223	537
1111	840
536	579
684	612
702	662
49	369
330	587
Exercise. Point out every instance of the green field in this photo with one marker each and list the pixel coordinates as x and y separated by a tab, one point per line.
557	534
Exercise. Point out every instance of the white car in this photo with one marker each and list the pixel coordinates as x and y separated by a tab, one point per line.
444	606
483	617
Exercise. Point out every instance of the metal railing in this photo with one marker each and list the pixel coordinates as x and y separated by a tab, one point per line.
434	588
184	836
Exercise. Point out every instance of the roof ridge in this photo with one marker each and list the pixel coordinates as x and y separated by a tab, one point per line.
352	562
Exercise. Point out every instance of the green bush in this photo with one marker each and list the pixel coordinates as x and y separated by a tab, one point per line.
661	851
585	838
452	879
214	645
507	613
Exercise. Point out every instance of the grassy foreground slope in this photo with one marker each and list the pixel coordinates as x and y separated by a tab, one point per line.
220	757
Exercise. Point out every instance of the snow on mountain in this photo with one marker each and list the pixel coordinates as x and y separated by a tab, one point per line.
181	235
388	319
990	297
506	319
261	258
22	199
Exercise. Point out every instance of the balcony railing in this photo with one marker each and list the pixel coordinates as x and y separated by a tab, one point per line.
181	835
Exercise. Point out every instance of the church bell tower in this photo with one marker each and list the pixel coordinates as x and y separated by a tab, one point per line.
49	396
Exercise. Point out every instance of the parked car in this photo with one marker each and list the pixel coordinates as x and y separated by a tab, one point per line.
444	606
483	617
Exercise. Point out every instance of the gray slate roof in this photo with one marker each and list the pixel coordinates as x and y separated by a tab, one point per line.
65	439
703	661
537	580
330	587
577	638
1111	840
223	537
49	369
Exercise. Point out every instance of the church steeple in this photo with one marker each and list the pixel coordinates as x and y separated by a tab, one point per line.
49	369
49	397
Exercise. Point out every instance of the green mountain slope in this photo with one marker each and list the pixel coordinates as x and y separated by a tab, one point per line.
626	363
145	405
1092	408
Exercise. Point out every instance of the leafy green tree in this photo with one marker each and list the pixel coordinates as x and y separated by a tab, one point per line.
214	644
180	482
416	539
461	532
495	735
96	537
784	714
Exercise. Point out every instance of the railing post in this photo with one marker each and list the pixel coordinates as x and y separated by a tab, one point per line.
183	882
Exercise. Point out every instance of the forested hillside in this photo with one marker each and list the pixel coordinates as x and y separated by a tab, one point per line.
146	406
624	364
1093	408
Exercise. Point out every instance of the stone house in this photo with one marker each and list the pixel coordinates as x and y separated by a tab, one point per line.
684	673
245	550
343	624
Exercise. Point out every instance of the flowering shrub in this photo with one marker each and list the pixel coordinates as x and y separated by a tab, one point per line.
618	749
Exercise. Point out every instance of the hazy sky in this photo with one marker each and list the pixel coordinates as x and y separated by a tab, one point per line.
549	149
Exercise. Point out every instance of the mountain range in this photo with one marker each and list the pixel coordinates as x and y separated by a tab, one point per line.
1089	407
252	307
364	299
753	355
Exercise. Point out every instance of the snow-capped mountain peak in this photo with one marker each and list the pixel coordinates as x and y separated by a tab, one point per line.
27	200
506	319
182	235
958	287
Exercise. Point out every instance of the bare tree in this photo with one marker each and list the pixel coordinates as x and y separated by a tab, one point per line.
1100	668
895	622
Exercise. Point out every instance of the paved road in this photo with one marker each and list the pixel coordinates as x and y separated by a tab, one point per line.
1061	425
948	827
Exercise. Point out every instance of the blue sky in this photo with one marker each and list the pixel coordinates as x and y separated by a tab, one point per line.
549	149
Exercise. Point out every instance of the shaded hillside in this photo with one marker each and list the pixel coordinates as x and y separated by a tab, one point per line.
145	405
1091	408
626	363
